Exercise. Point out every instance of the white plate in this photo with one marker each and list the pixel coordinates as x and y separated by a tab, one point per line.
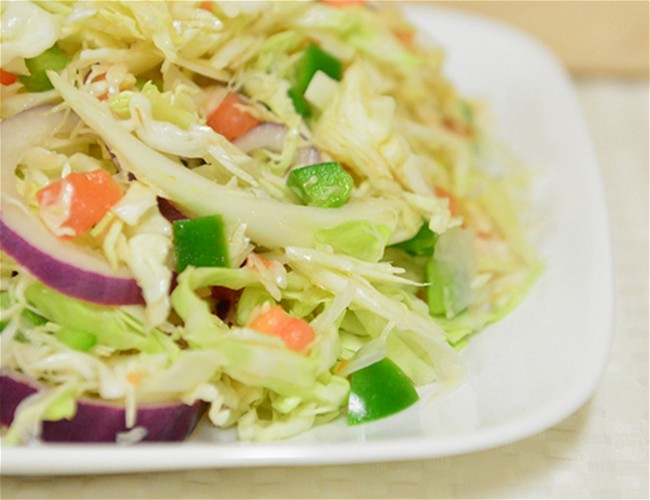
526	373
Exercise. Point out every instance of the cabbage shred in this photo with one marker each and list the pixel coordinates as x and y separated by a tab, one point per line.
144	78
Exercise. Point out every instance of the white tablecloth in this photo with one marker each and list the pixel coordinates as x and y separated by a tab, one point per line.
599	452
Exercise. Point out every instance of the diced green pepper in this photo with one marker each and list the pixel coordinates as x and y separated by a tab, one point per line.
316	59
78	340
423	243
450	273
377	391
322	184
51	59
200	242
299	103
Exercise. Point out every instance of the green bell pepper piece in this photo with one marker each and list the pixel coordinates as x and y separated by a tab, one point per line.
450	274
316	59
422	244
299	103
200	242
321	185
377	391
51	59
313	59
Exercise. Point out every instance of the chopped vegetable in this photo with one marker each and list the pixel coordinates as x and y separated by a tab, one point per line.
296	333
200	242
453	201
229	120
94	420
423	243
54	261
362	240
450	273
74	204
377	391
321	185
112	327
299	102
76	339
316	59
28	318
7	78
248	262
52	59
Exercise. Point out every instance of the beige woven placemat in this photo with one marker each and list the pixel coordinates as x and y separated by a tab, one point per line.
600	452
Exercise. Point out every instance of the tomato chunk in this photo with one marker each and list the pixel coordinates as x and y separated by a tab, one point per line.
7	78
296	333
453	201
72	205
229	120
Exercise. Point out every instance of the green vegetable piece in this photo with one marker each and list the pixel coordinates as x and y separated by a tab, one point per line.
250	298
28	319
321	185
200	242
450	274
423	243
316	59
360	239
78	340
377	391
51	59
5	302
299	103
110	325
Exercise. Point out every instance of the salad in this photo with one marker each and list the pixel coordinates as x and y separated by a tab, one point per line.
261	215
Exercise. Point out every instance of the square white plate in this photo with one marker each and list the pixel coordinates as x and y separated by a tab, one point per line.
526	373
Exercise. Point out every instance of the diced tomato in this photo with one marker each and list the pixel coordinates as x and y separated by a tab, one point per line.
7	78
255	259
296	333
230	120
205	6
456	128
134	378
453	202
406	37
78	201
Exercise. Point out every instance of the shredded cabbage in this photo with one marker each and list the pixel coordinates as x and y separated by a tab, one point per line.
145	80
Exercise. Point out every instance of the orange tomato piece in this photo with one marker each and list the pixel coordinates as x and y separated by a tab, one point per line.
229	120
7	78
296	333
453	202
406	37
81	199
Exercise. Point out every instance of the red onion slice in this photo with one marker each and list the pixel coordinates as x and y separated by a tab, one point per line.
60	264
99	421
267	135
271	136
308	155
